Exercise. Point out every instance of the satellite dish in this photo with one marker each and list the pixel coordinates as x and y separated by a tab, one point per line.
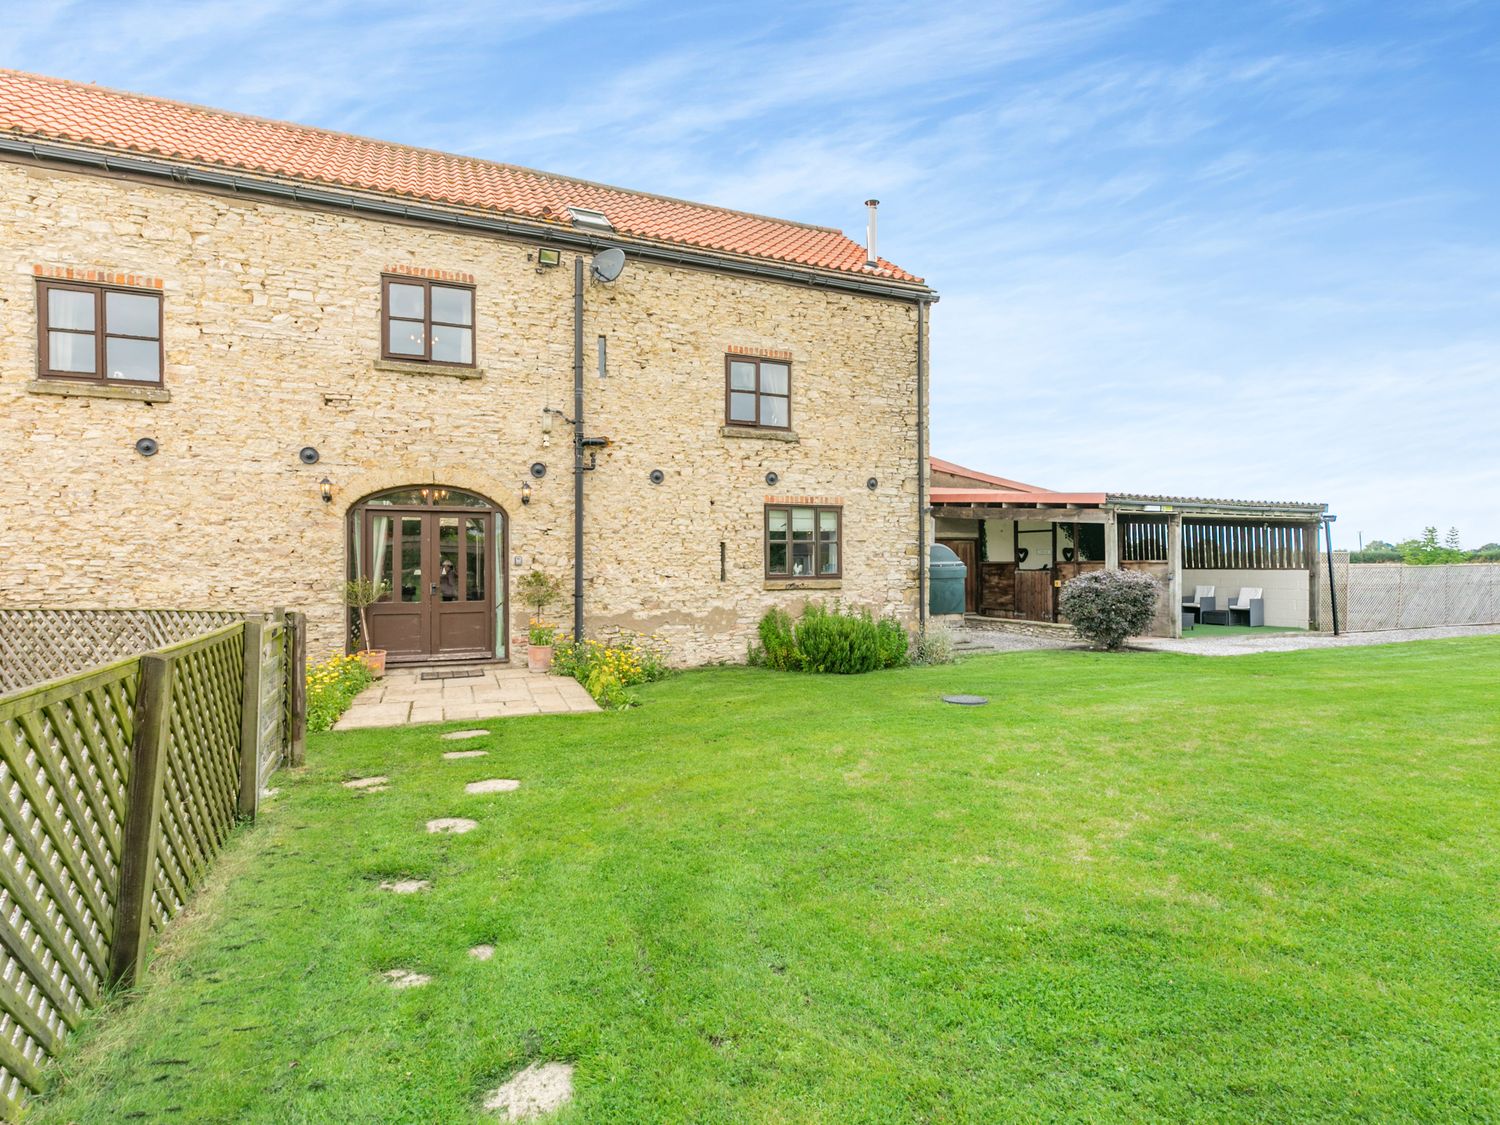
608	264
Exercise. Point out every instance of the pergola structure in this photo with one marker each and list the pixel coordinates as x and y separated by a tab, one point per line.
1023	542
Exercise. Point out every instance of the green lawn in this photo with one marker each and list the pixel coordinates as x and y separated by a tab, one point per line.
1139	887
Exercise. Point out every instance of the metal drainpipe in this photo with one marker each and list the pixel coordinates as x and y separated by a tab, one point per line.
1333	590
921	467
578	448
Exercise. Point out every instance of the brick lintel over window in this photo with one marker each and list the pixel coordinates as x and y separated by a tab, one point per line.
432	274
758	353
98	277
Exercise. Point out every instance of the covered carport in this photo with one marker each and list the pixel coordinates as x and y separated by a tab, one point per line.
1024	543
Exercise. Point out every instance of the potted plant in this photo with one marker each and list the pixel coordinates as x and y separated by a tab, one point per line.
540	638
359	595
539	591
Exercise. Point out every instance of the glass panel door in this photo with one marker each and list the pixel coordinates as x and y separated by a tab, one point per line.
448	559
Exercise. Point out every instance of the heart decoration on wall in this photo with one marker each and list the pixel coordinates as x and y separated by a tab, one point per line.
1022	553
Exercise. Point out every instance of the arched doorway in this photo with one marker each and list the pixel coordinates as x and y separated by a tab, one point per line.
437	555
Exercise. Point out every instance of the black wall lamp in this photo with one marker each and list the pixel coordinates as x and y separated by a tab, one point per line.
525	492
325	486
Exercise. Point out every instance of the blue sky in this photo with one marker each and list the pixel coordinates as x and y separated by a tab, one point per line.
1223	249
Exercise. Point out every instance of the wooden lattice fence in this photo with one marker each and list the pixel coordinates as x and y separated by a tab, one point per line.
118	788
1375	596
37	645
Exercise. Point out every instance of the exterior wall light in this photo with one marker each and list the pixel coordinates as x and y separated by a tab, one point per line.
325	486
525	492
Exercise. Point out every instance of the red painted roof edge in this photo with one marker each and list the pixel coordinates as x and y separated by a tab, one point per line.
938	465
942	495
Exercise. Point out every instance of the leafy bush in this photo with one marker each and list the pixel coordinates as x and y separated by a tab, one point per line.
935	646
1106	606
332	686
893	643
778	643
829	640
606	669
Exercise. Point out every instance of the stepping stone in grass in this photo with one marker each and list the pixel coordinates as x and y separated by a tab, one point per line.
405	978
460	735
405	886
454	824
482	952
367	783
455	755
492	785
540	1088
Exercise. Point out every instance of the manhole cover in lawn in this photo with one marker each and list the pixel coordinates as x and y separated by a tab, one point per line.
966	700
460	735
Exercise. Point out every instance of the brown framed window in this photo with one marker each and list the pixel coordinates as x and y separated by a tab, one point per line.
757	392
101	333
804	542
427	321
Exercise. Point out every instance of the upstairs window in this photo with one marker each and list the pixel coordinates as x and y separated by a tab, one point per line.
100	333
757	392
804	542
428	321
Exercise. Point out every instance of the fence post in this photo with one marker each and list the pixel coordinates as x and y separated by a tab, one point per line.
249	795
148	762
296	673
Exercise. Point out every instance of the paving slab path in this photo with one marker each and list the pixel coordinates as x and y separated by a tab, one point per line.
499	691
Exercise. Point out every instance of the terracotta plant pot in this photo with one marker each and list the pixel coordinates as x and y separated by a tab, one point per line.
374	660
539	657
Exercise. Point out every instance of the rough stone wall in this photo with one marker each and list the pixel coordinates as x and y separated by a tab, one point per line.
272	336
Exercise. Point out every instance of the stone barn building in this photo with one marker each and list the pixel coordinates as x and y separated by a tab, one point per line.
242	361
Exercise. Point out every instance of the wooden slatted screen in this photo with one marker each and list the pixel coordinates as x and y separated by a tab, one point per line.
1242	545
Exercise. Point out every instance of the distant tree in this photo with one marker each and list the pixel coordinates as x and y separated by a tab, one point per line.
1379	545
1451	540
1427	551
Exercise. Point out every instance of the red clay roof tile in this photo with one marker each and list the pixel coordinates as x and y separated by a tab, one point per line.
56	109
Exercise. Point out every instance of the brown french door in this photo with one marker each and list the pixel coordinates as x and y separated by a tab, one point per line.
436	574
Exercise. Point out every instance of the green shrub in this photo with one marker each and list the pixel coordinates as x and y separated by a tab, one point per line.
778	643
1106	606
829	640
893	643
935	646
332	686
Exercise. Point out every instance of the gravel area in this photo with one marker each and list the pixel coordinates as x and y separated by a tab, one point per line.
978	641
1245	644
